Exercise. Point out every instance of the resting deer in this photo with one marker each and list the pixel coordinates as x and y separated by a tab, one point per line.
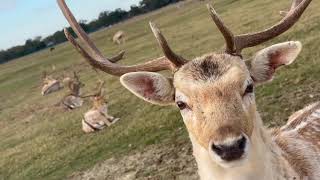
97	117
215	94
49	84
119	37
73	100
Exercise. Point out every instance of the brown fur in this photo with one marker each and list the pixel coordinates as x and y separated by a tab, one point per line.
206	68
218	106
50	85
295	159
72	99
300	116
215	104
97	117
119	37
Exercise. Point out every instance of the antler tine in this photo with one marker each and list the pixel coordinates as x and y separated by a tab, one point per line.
100	87
44	74
235	44
78	30
79	48
294	4
104	64
82	34
75	75
99	91
253	39
227	34
159	64
173	57
117	57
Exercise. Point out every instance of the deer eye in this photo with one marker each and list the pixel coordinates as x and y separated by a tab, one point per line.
249	89
182	105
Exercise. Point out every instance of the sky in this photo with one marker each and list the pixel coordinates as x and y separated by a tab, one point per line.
25	19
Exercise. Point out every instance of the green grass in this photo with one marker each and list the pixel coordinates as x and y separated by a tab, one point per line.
39	141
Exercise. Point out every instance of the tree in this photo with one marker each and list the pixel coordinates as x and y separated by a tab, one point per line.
135	10
105	18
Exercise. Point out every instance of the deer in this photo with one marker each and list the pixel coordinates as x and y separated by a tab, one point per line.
49	84
119	37
97	117
73	99
215	94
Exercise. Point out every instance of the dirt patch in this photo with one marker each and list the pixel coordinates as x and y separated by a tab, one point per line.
156	162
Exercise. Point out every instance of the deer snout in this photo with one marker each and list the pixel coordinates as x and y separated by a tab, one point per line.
230	150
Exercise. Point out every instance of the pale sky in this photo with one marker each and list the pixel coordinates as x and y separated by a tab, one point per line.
24	19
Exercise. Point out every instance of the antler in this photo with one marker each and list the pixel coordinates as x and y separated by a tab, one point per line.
294	4
99	90
171	61
174	58
118	57
100	86
235	44
75	76
44	74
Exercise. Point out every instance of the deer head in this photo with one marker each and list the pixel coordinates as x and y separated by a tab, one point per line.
214	92
73	99
75	85
99	102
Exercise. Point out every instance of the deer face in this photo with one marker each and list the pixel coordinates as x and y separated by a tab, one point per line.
100	103
216	100
215	96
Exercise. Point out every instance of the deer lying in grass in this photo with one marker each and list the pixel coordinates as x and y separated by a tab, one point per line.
97	117
49	84
215	94
119	37
73	100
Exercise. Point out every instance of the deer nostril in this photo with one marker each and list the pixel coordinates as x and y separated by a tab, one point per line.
217	149
230	152
242	143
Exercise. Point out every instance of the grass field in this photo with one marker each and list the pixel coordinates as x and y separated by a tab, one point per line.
39	141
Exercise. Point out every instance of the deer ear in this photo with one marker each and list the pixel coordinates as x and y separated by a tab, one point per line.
266	61
149	86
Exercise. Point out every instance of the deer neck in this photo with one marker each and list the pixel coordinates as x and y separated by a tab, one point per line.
264	162
102	109
75	91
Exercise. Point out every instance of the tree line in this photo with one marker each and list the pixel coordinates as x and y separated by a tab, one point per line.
105	19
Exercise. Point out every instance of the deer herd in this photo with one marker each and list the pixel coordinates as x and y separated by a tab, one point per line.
215	95
96	118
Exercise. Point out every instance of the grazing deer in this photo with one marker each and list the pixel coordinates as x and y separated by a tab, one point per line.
215	94
73	100
97	117
49	84
119	37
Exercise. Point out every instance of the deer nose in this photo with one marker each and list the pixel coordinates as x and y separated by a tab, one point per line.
230	151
